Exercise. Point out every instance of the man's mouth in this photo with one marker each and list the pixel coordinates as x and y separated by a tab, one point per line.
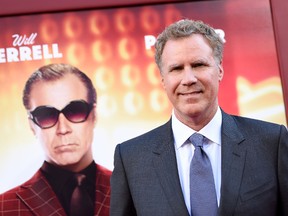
65	147
191	93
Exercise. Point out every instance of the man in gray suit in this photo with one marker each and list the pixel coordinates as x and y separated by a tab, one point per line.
248	158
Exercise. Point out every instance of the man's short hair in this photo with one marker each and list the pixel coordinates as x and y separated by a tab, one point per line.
54	72
185	28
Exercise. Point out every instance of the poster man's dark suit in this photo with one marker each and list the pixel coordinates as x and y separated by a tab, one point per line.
36	197
254	172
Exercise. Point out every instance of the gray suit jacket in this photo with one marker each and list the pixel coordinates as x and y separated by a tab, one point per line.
145	179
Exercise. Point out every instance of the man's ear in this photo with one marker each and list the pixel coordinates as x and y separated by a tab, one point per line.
163	83
221	72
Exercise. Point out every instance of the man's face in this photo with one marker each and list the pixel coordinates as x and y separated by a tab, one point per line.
191	76
65	144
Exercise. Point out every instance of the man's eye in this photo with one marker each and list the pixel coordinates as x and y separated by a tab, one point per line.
176	68
198	65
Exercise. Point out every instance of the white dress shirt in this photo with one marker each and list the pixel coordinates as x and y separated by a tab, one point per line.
185	150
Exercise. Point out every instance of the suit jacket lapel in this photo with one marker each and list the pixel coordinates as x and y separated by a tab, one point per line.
40	198
166	168
233	160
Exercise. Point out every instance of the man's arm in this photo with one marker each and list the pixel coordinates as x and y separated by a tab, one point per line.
283	170
121	203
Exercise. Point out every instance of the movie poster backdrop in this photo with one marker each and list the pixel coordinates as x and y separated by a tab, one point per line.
115	47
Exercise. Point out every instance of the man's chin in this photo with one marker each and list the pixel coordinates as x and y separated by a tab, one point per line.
67	159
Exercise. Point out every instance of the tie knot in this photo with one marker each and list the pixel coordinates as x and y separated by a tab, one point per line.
197	139
79	178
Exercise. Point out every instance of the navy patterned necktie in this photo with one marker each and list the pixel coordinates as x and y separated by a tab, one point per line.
203	198
81	203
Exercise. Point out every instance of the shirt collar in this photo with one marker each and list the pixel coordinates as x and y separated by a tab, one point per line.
59	177
212	130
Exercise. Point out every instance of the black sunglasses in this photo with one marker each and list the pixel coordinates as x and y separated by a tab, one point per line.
46	116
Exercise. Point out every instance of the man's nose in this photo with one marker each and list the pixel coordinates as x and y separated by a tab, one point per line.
189	77
63	124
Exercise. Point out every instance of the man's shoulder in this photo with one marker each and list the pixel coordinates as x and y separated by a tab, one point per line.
152	135
103	171
12	193
103	183
251	125
9	200
253	121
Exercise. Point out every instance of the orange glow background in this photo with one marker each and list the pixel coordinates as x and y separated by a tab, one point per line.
108	45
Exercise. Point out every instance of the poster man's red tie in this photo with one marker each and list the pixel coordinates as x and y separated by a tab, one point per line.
81	203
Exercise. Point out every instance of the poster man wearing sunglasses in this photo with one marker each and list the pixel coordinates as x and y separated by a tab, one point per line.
61	104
